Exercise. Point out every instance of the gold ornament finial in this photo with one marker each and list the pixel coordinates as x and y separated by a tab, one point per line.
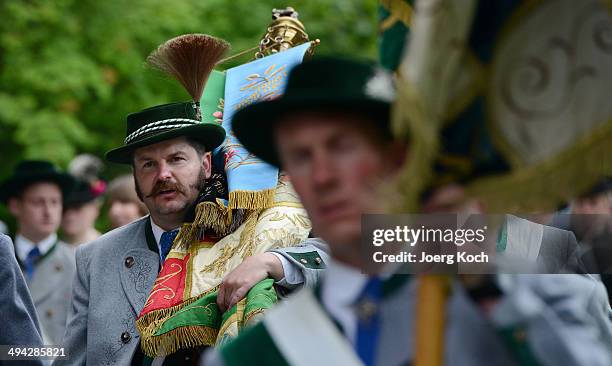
284	32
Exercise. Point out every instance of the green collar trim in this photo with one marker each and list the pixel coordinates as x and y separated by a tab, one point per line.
41	258
502	238
390	286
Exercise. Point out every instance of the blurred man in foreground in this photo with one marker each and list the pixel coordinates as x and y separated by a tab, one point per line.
330	132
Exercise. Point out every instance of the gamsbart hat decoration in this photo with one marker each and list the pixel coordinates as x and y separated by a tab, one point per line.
189	59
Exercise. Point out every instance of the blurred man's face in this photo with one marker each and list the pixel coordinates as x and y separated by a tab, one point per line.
38	211
78	219
123	212
169	176
336	164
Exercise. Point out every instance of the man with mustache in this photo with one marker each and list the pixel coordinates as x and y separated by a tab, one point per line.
117	271
169	149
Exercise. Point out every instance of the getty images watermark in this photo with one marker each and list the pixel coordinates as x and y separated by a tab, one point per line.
470	244
425	236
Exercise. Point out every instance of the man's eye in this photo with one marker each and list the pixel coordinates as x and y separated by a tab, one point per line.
177	159
344	144
299	158
148	164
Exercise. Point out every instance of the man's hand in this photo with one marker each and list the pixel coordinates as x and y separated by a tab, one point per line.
237	283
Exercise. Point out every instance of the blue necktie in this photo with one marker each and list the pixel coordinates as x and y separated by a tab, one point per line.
368	321
166	243
30	261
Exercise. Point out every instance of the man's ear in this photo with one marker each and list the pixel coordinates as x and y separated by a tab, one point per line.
207	164
14	206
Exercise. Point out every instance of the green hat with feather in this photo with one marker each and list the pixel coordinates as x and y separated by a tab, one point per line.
190	59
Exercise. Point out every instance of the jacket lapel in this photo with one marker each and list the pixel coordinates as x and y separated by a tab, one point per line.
139	267
48	276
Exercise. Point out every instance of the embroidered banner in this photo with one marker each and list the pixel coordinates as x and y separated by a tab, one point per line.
245	84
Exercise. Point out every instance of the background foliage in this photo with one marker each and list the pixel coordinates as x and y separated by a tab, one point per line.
71	70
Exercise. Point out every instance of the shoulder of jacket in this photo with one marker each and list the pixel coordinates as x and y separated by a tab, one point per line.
109	241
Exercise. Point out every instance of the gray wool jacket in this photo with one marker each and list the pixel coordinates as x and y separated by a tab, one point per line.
17	313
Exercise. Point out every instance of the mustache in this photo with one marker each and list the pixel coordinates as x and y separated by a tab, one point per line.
165	186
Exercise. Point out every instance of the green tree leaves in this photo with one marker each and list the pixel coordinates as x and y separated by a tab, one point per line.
71	70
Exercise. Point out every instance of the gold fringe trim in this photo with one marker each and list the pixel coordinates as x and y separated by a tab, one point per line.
251	200
217	217
209	215
148	323
179	338
542	187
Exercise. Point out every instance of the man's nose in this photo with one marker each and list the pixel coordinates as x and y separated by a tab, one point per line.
165	172
323	172
47	208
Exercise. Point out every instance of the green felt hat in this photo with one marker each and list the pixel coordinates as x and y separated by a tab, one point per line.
190	59
29	172
323	83
165	122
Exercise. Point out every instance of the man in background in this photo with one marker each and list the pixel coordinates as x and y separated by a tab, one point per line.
34	196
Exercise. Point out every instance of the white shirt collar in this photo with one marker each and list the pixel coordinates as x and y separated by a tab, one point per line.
339	291
343	284
157	232
23	245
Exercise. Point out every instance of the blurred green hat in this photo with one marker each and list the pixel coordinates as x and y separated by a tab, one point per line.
321	83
